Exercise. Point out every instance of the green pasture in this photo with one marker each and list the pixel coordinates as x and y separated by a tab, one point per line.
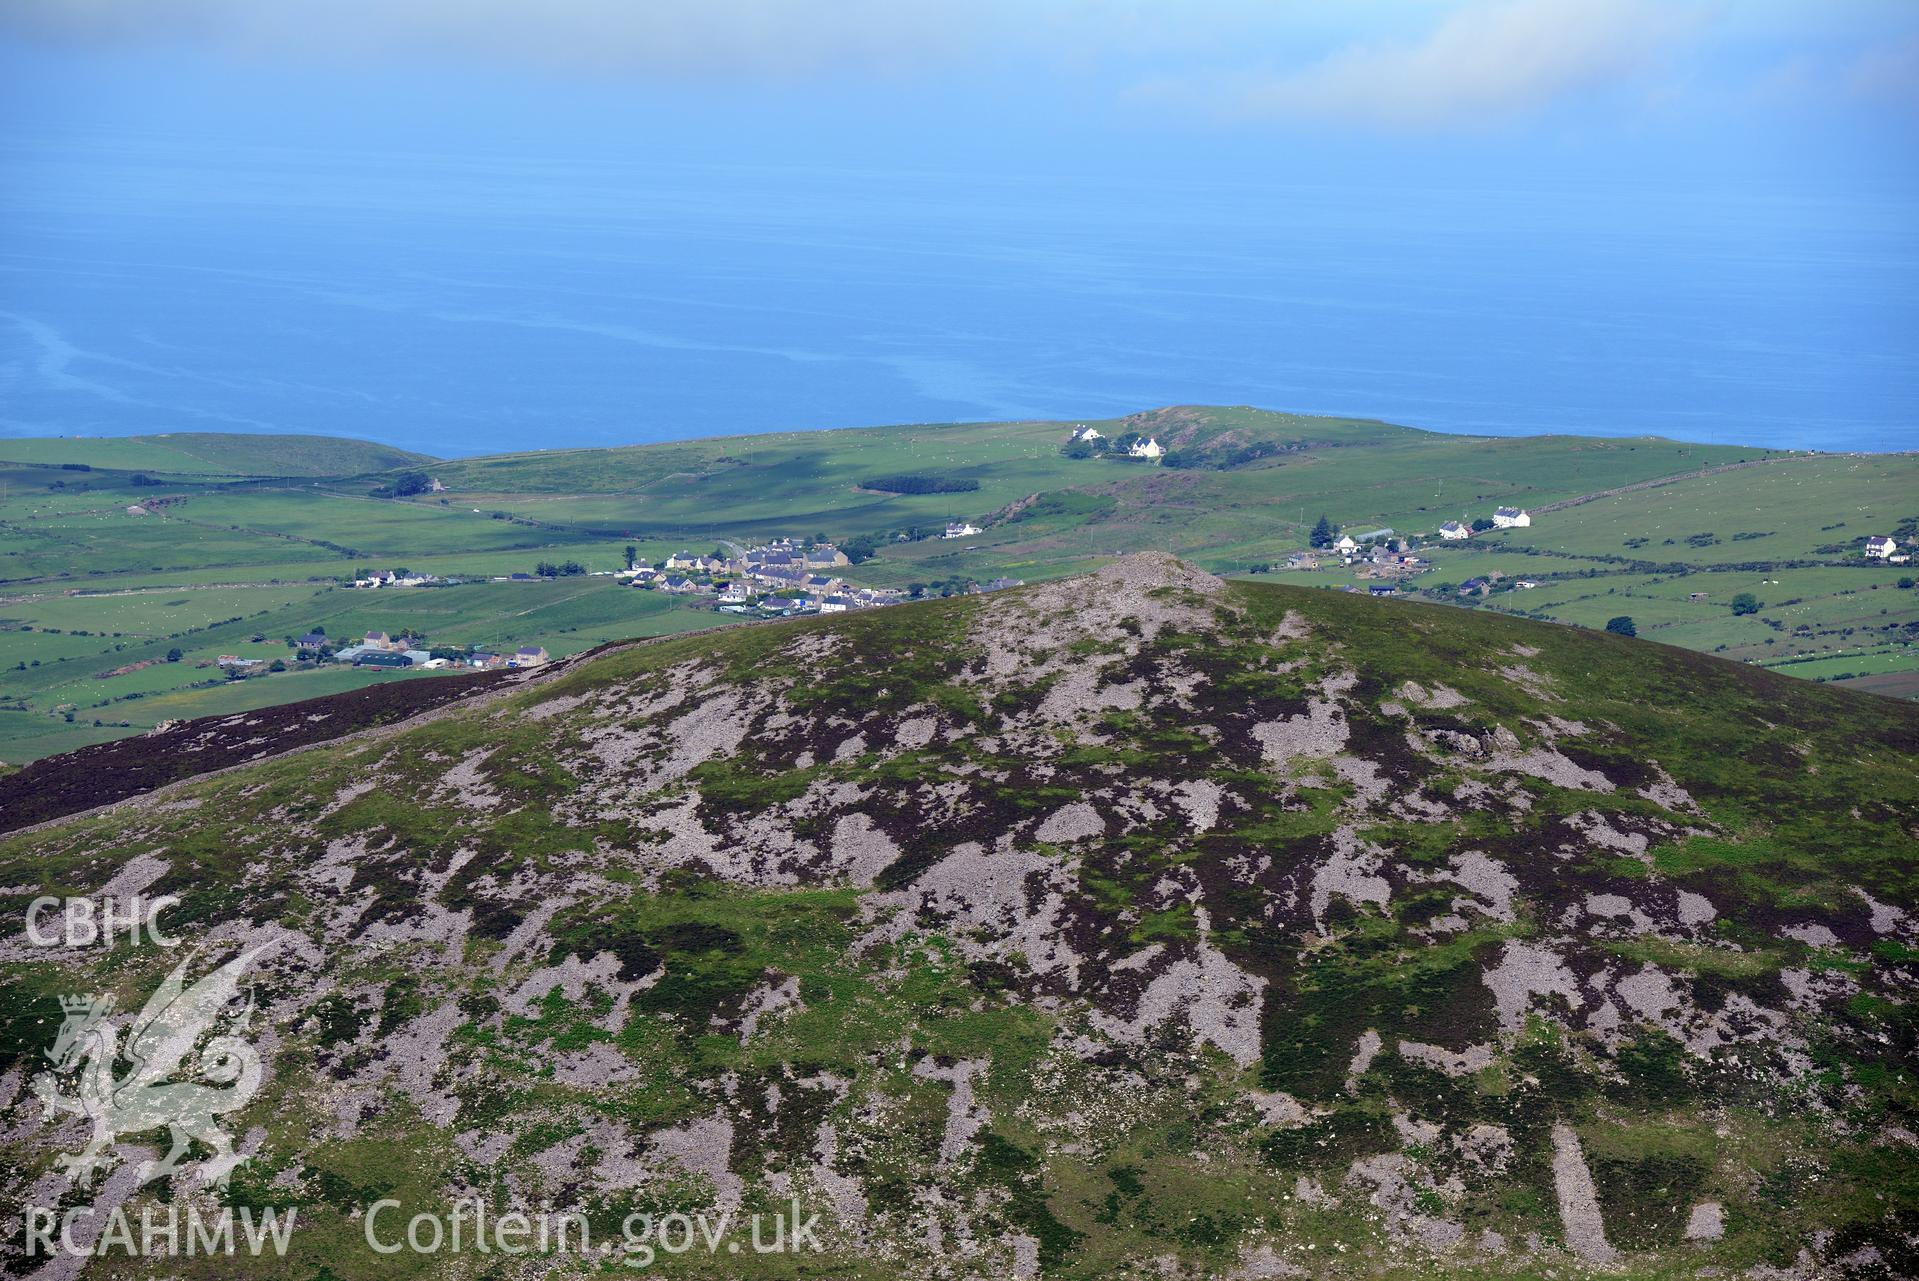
1789	509
272	554
215	454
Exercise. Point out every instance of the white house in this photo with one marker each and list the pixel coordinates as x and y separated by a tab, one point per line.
1880	547
1511	518
1088	433
1345	545
1452	531
1148	448
960	529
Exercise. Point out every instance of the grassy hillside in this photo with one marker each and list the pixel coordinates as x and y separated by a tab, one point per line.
1146	924
214	454
1644	525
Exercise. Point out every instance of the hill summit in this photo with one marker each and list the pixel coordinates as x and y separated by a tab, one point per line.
1140	923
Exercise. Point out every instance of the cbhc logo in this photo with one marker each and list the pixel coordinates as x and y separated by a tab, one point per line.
79	922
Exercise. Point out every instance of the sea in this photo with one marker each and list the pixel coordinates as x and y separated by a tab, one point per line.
462	305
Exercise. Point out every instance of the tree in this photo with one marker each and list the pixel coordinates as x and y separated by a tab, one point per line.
1906	583
1622	625
1323	533
1745	603
1483	524
632	554
174	655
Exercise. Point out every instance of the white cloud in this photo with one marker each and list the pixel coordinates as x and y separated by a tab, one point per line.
1482	63
1890	72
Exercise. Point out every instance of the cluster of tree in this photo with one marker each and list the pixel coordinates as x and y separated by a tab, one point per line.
565	569
405	485
1196	459
920	483
1324	533
955	586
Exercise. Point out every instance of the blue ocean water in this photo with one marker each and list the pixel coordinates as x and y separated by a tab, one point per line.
463	306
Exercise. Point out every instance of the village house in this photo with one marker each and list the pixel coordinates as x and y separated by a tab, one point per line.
379	640
960	529
1345	545
528	656
1881	547
735	593
1148	448
1452	531
393	578
1511	518
311	640
825	556
1382	589
1085	433
834	605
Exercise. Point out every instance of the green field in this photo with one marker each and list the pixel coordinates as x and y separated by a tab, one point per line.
227	547
214	454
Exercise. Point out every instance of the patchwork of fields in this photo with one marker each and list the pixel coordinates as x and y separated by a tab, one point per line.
235	544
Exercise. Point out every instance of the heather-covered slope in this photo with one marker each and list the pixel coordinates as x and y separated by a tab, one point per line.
1139	924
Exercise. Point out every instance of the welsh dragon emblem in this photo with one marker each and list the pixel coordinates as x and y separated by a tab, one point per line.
221	1077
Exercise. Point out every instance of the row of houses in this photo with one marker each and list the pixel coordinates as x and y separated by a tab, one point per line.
378	649
785	576
396	578
1503	518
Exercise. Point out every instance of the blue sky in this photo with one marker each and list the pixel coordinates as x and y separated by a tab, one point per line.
1822	90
